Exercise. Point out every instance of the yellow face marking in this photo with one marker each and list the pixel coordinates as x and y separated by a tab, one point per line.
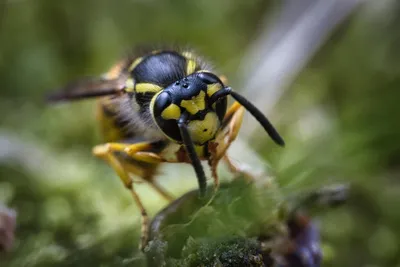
153	100
147	88
212	88
195	104
171	112
135	63
190	66
204	130
129	85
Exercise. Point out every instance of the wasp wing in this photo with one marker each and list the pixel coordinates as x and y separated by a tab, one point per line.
112	83
88	88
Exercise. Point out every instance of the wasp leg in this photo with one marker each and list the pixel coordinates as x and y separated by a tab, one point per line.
233	119
108	153
213	167
213	163
161	190
237	169
228	132
149	157
147	175
232	123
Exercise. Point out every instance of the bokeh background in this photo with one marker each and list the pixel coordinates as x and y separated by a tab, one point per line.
332	89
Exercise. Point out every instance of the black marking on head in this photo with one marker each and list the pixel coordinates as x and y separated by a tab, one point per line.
181	93
162	68
186	88
222	103
209	78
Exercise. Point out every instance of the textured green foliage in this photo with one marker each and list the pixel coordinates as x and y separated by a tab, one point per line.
194	232
238	209
234	251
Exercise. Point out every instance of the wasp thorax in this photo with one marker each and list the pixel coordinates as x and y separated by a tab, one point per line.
190	95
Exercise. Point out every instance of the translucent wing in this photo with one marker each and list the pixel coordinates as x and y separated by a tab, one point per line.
111	83
88	88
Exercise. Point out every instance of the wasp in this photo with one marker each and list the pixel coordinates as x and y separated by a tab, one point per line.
163	106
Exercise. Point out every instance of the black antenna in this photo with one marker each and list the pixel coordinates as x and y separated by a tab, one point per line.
257	114
187	140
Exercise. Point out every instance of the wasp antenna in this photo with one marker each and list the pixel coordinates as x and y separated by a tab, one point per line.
219	94
272	132
259	116
187	140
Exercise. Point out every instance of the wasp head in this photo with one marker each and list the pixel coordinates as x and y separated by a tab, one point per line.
189	98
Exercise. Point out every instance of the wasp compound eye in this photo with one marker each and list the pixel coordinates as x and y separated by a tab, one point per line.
165	114
163	100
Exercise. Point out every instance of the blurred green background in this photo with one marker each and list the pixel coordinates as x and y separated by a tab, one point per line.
340	118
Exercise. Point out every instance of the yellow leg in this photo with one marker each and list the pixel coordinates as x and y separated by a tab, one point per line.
107	153
229	131
231	126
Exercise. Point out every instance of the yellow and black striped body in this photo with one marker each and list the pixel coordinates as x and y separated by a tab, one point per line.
133	117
